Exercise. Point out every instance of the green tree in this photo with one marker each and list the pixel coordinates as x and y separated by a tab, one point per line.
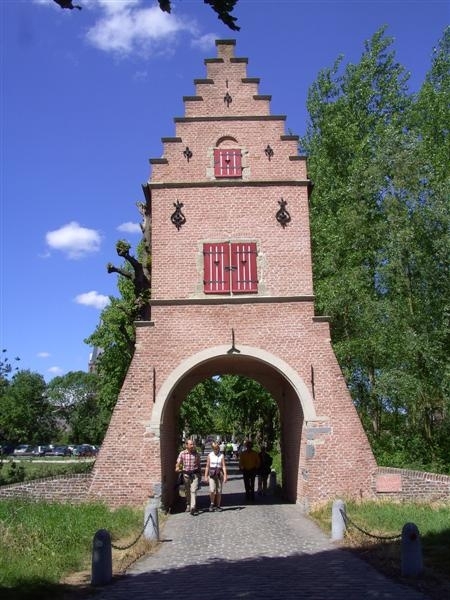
26	415
380	238
74	400
231	406
197	411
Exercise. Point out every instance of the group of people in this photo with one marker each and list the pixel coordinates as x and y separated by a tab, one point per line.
251	463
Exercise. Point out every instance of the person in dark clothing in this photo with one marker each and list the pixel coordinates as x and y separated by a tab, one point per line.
249	465
265	465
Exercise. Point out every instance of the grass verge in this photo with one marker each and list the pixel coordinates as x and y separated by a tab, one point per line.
46	548
385	519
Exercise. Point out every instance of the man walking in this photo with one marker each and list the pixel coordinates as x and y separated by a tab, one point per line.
249	463
188	463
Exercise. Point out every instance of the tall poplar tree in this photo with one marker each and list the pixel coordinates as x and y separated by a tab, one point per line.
379	230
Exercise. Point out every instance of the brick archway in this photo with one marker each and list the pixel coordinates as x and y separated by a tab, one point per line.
294	401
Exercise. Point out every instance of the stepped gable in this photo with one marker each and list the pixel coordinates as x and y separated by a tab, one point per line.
227	110
232	293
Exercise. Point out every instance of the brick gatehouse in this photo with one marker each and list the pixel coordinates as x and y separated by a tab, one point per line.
232	292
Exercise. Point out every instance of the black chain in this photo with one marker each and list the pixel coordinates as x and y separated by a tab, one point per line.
348	521
150	516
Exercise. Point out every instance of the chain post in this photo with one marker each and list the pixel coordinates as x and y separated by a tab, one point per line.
101	558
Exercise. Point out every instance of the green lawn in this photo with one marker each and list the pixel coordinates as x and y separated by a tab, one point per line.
41	542
385	519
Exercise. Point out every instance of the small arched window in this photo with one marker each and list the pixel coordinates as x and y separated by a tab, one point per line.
227	162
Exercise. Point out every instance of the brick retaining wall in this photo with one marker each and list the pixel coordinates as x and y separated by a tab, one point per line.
67	488
394	484
414	486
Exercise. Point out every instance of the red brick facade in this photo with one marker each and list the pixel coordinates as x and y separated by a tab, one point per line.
281	342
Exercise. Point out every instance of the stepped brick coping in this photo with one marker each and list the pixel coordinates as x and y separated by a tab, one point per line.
230	118
225	183
226	42
192	98
171	139
209	81
262	97
232	300
251	80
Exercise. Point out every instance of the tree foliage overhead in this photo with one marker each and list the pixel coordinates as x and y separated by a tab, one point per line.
223	9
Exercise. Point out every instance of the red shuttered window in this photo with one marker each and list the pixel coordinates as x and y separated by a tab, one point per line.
216	261
230	268
227	163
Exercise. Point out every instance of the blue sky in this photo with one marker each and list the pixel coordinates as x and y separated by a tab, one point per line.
86	97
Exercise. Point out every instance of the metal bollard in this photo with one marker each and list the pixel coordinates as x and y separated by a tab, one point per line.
272	481
151	530
412	562
337	521
101	558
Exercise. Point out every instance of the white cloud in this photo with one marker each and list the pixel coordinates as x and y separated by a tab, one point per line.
124	28
43	354
129	227
205	42
75	241
55	370
92	298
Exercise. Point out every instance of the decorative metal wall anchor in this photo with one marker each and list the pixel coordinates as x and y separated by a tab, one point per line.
187	154
177	218
233	349
227	99
268	152
283	217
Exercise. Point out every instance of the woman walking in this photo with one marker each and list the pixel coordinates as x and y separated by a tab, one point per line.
216	473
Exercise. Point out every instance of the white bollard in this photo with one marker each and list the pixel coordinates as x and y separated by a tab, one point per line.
337	521
272	482
412	562
151	531
101	573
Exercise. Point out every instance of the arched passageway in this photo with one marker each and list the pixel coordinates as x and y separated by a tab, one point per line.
290	393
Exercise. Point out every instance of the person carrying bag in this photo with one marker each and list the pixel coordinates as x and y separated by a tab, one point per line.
216	474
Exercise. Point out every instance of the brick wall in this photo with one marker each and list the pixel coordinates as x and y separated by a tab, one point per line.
413	486
69	488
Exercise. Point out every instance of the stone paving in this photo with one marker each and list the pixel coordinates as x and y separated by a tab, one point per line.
262	550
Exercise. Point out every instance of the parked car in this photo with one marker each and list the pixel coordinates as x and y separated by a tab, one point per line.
61	451
6	449
23	449
41	450
85	450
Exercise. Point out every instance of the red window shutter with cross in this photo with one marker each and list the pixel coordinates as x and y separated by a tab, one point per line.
227	162
244	276
216	265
